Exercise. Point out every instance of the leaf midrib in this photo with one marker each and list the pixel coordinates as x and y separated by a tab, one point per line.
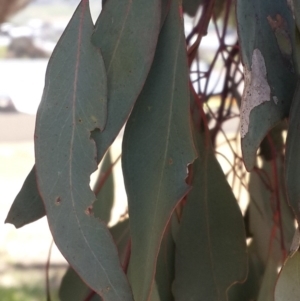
78	55
164	161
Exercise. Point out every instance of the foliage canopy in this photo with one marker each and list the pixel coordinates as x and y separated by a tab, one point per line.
184	237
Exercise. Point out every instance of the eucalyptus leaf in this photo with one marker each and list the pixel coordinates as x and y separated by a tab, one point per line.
165	269
296	10
191	6
262	209
157	148
73	288
288	283
127	63
119	27
28	205
267	42
121	235
210	244
105	196
267	287
155	295
249	290
73	105
292	162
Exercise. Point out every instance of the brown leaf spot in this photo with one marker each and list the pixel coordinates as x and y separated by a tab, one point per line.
170	161
57	201
277	23
89	210
280	29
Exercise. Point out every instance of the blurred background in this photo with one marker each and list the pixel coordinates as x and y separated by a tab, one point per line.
29	31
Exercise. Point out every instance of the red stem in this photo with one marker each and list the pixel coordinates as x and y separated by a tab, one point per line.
90	296
277	214
127	256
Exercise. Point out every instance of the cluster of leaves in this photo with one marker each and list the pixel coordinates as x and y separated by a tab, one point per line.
185	238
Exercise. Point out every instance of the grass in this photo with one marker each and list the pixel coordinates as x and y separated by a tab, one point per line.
25	293
3	51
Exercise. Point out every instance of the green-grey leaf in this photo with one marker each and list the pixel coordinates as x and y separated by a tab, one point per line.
248	291
296	10
266	292
165	7
293	156
165	269
262	209
266	32
191	6
211	243
73	288
28	205
121	235
103	2
73	105
105	198
155	295
119	27
157	147
288	283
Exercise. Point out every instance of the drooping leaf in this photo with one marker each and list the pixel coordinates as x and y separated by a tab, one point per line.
297	43
266	292
292	162
211	243
121	235
165	7
119	27
157	147
296	10
154	294
288	283
73	288
165	270
103	2
191	6
249	290
28	205
219	8
105	197
73	105
266	35
263	209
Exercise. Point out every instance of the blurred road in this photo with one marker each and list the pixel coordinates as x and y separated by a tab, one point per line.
16	127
